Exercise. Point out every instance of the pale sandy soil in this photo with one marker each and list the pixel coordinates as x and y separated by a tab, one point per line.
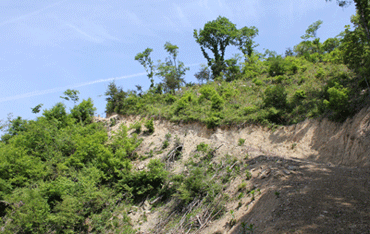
313	177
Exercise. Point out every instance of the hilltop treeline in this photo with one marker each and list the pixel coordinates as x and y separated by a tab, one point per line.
313	79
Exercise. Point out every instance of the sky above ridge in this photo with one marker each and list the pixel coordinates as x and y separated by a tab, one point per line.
49	46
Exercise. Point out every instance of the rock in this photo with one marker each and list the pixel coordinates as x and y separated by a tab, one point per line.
265	173
286	172
292	168
278	174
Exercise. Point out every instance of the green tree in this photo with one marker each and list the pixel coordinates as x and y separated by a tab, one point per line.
145	60
71	94
356	43
312	30
84	111
172	71
216	36
57	113
307	47
244	41
363	12
204	74
37	108
115	98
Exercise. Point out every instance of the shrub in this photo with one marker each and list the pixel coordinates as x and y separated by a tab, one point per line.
338	100
137	127
58	113
277	66
213	121
165	144
84	111
217	102
149	125
169	98
257	82
202	147
206	93
250	109
298	96
320	74
183	102
275	96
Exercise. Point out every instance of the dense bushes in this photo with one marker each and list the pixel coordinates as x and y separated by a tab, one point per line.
298	93
57	174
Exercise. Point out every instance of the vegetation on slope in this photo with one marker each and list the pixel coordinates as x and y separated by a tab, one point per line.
313	79
62	173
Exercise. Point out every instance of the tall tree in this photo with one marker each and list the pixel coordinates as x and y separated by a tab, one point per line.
356	43
172	71
244	40
145	60
307	47
363	11
312	30
216	36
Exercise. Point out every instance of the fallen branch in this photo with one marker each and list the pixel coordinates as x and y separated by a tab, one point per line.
214	151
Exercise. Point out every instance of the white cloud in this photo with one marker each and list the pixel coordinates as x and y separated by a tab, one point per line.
183	19
93	32
25	16
133	18
91	38
60	89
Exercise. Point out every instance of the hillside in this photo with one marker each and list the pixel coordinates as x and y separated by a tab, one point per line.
264	143
299	181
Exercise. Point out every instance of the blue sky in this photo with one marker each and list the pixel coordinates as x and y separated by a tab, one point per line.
49	46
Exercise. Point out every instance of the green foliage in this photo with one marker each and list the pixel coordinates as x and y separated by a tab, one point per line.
241	141
165	144
57	176
217	102
37	108
338	100
184	102
277	66
84	111
149	124
202	147
275	96
172	71
216	36
214	120
58	114
206	93
312	30
264	88
17	126
146	61
71	94
244	41
204	74
136	126
169	98
146	182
